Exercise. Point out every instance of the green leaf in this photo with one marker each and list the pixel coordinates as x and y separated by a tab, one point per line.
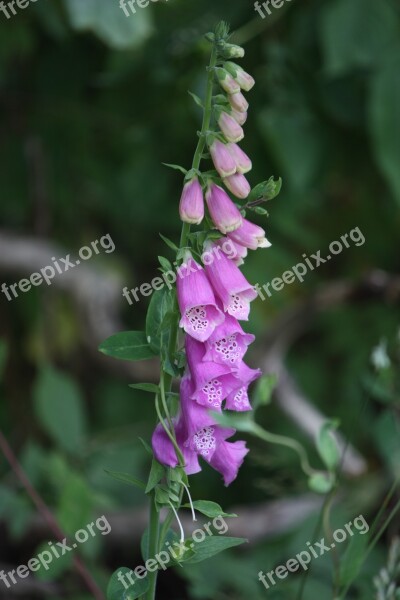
209	509
127	478
172	489
162	497
161	303
157	472
127	345
166	322
263	390
211	546
321	483
384	122
166	265
353	559
327	445
184	552
196	99
378	387
169	243
176	167
109	22
168	365
145	387
176	475
59	407
117	591
260	211
171	539
266	190
146	446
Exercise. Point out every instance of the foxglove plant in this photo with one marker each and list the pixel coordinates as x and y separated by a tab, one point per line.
195	328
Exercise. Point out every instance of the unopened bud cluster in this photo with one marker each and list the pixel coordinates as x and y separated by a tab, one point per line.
231	163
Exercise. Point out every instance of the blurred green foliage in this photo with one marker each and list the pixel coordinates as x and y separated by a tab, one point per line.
104	99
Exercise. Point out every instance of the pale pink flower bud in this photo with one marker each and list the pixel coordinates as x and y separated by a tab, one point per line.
245	80
238	102
250	236
232	51
224	214
240	117
227	82
223	160
191	206
230	128
238	185
243	162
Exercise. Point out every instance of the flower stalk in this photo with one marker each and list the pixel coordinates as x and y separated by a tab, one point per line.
157	536
211	297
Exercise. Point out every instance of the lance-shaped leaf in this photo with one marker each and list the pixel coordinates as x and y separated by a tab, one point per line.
127	478
136	587
211	546
209	509
127	345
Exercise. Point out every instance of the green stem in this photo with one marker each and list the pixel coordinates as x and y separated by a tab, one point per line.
326	521
384	506
320	520
372	545
152	548
157	537
165	404
273	438
207	111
